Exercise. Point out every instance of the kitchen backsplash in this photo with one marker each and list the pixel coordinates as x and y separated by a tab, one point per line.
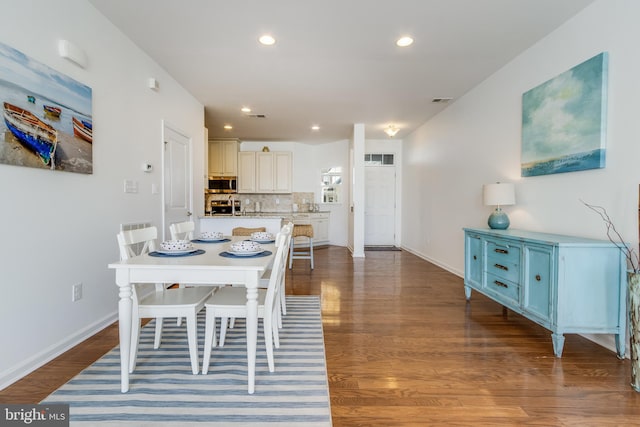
267	202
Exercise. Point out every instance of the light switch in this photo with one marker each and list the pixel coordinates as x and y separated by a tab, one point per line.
130	186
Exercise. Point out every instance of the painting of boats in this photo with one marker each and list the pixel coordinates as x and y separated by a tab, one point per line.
53	111
83	129
32	132
40	104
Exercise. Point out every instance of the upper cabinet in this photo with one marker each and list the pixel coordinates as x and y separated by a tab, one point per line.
264	172
223	157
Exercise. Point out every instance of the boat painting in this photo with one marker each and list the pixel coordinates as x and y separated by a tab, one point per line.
54	111
83	129
32	132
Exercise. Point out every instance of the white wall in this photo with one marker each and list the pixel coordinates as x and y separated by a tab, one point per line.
476	140
60	227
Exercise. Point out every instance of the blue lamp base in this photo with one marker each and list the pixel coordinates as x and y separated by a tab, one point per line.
498	220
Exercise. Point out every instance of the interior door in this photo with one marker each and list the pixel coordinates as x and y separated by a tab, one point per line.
380	206
177	186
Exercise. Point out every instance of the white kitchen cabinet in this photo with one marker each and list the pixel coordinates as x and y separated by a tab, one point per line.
246	172
273	172
320	223
264	172
223	157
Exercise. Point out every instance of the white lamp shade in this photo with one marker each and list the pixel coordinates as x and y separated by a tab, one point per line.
499	194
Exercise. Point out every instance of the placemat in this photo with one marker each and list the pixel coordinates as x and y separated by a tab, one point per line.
158	254
229	255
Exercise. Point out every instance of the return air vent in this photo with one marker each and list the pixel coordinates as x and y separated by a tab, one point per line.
257	116
441	100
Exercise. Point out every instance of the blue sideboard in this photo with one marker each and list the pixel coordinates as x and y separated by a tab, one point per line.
565	284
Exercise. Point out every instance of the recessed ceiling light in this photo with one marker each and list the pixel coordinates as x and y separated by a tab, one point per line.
267	40
228	127
245	109
315	127
404	41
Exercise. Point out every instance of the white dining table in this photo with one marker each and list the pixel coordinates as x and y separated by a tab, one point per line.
209	269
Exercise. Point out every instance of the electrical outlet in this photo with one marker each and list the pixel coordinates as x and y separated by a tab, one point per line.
76	293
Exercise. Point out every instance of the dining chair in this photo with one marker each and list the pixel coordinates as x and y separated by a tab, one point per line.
305	232
245	231
182	230
176	302
232	302
264	280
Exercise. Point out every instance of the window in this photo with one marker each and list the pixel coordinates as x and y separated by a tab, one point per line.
330	186
378	160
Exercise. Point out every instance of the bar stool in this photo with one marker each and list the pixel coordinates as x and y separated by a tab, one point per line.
301	230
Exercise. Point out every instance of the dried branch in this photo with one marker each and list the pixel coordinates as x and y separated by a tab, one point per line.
615	237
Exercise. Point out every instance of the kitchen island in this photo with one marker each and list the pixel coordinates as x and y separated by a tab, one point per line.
226	223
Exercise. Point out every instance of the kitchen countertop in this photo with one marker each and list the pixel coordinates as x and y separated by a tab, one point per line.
261	215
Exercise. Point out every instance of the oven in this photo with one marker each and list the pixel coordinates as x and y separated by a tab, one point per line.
222	184
225	207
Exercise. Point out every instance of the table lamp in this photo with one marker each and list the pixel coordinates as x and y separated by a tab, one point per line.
499	194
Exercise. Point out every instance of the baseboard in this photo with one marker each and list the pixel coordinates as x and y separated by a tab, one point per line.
36	361
447	267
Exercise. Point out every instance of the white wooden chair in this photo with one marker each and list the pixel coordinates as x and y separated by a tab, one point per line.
182	230
178	302
232	302
264	281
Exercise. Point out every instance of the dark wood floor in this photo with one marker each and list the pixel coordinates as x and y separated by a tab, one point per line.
404	348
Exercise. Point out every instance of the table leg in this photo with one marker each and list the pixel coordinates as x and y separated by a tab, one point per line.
124	322
252	326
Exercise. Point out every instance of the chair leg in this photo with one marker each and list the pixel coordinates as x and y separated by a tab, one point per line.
223	330
274	329
283	300
311	250
158	338
192	337
268	340
209	340
133	350
291	254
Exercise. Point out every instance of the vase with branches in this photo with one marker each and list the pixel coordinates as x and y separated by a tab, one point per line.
633	285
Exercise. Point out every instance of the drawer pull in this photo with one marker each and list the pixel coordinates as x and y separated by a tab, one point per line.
538	278
499	283
501	267
475	257
501	251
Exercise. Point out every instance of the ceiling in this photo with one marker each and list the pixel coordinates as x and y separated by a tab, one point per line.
335	62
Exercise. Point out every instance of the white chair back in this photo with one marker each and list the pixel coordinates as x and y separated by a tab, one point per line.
137	242
182	230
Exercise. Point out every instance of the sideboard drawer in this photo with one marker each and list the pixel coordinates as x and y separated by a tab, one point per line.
504	268
503	252
503	288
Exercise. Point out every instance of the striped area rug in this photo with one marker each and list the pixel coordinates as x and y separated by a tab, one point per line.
164	392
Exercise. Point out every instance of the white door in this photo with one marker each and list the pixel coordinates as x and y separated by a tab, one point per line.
177	179
380	205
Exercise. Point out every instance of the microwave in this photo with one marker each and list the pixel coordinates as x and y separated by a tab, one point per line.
222	184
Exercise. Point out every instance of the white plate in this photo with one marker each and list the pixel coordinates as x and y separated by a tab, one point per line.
263	241
245	253
202	239
177	252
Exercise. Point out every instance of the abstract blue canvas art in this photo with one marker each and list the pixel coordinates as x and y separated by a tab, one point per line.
564	121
